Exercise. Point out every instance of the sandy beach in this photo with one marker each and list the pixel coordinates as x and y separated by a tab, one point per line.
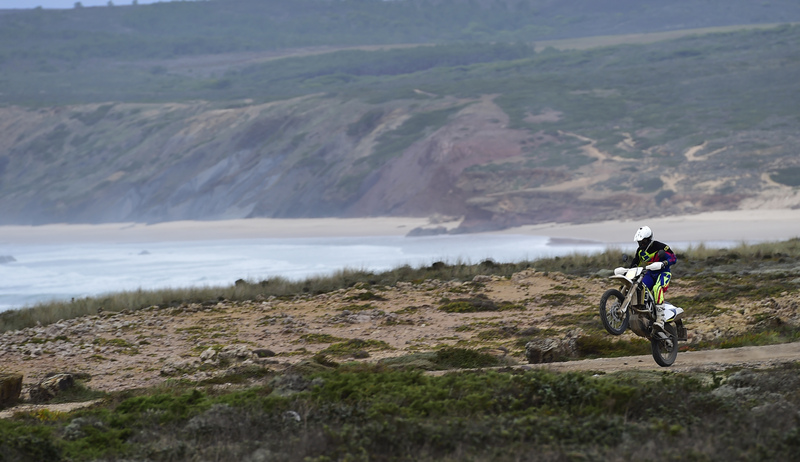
738	225
741	225
255	228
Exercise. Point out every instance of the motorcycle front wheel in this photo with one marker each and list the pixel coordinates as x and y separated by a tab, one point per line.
665	351
615	320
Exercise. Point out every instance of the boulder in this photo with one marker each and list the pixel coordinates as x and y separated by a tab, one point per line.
551	349
10	388
51	386
235	352
523	275
178	366
209	355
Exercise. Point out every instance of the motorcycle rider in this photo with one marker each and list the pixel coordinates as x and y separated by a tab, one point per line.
658	258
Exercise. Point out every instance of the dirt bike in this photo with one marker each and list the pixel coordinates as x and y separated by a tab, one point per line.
633	305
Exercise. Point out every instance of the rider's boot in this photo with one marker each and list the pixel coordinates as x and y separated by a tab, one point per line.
659	324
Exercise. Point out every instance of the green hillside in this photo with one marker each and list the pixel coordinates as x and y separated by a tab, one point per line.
341	110
174	29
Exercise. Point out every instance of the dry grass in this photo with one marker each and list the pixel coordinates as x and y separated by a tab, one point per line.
693	260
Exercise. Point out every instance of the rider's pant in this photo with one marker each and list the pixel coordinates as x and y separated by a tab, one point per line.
657	283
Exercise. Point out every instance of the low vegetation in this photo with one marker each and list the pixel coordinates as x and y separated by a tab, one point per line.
359	412
478	303
747	271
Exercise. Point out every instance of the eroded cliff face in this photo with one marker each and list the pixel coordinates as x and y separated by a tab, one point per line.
320	156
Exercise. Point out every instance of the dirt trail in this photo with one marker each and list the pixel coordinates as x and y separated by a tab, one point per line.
712	360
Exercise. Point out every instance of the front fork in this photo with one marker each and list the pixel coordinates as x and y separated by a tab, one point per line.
645	300
631	291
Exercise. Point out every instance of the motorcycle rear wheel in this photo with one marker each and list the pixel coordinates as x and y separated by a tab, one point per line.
614	320
665	351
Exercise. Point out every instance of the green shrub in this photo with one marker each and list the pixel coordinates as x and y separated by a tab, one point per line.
168	406
19	441
355	347
356	308
365	296
344	412
476	304
461	358
790	176
319	338
599	346
757	337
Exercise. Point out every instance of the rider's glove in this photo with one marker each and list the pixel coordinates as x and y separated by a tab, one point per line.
620	271
657	266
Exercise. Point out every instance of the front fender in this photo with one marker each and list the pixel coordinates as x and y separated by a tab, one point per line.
625	281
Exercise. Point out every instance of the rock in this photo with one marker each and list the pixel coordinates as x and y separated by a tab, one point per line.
529	332
521	276
548	350
177	366
499	352
261	455
209	355
7	259
235	352
482	278
10	388
54	330
291	416
51	386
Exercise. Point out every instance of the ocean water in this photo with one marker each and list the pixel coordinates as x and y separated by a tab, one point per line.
59	272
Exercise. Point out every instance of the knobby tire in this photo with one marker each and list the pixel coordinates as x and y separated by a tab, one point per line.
614	324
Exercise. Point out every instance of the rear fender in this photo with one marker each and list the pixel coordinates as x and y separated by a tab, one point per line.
683	334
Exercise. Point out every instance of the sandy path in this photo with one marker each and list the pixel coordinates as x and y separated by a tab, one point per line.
764	356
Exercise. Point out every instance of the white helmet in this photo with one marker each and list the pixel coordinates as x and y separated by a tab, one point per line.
643	233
